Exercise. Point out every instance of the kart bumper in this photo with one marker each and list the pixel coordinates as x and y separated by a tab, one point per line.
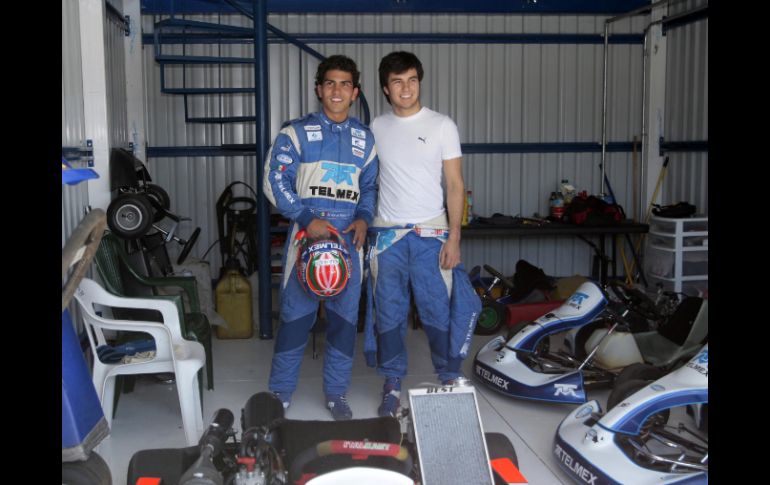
588	453
501	369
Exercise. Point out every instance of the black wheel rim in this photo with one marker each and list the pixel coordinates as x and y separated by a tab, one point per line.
128	217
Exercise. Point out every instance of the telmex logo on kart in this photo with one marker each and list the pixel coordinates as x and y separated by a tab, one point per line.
576	300
488	376
574	466
702	358
365	445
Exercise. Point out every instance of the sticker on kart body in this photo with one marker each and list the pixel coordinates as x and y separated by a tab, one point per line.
492	378
576	300
565	390
574	466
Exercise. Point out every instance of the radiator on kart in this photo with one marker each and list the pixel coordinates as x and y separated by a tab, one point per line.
448	436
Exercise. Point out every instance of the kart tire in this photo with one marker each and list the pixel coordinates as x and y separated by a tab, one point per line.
93	471
499	446
624	390
157	195
646	372
129	216
582	337
491	318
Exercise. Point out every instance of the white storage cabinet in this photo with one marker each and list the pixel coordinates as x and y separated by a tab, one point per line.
676	255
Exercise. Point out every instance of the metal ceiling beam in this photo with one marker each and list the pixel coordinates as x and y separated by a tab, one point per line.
167	7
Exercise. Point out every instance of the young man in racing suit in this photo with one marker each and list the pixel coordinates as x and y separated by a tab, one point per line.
413	242
321	172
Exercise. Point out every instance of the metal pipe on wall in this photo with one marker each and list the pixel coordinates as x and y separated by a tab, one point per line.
604	101
644	119
604	80
262	132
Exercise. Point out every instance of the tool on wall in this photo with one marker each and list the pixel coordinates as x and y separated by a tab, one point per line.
237	226
658	185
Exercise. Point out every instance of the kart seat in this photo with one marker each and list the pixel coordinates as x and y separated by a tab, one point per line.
681	337
295	436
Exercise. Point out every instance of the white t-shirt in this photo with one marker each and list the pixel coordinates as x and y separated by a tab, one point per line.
411	151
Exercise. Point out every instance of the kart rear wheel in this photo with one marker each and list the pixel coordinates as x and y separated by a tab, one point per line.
491	318
157	195
626	389
93	471
646	372
129	216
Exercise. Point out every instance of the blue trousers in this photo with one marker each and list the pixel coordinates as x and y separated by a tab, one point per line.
298	314
412	262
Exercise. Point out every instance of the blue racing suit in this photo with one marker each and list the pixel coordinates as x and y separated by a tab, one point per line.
404	256
318	168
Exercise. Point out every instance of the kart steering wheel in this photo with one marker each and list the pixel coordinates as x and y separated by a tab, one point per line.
188	246
354	448
635	300
499	276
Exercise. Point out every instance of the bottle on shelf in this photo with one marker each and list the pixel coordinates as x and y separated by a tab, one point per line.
467	208
567	191
556	204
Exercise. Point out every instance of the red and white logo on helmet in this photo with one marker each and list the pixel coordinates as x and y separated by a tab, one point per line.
323	265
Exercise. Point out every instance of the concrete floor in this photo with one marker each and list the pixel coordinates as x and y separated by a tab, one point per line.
149	417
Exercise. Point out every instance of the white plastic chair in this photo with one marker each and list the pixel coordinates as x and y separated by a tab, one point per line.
172	353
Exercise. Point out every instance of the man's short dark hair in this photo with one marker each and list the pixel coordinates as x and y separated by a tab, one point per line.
398	62
339	63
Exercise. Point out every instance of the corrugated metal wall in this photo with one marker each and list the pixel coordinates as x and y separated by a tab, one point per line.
495	93
74	198
115	60
687	109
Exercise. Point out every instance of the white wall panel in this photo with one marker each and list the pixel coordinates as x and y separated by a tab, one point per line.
513	93
114	35
74	198
687	110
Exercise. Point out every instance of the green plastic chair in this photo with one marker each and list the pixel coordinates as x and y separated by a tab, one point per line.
121	279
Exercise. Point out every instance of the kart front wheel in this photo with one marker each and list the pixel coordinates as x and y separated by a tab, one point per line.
93	471
625	389
491	318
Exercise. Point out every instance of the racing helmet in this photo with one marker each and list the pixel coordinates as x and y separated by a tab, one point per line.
323	264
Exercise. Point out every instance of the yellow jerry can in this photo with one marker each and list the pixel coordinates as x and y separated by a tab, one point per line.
234	305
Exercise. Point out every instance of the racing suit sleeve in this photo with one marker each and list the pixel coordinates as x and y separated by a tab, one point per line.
367	185
281	167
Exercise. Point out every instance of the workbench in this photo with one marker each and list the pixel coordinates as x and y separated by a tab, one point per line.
561	229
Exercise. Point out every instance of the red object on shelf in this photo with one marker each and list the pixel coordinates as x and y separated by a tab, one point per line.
518	312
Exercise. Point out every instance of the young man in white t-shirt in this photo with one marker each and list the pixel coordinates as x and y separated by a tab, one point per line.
415	241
